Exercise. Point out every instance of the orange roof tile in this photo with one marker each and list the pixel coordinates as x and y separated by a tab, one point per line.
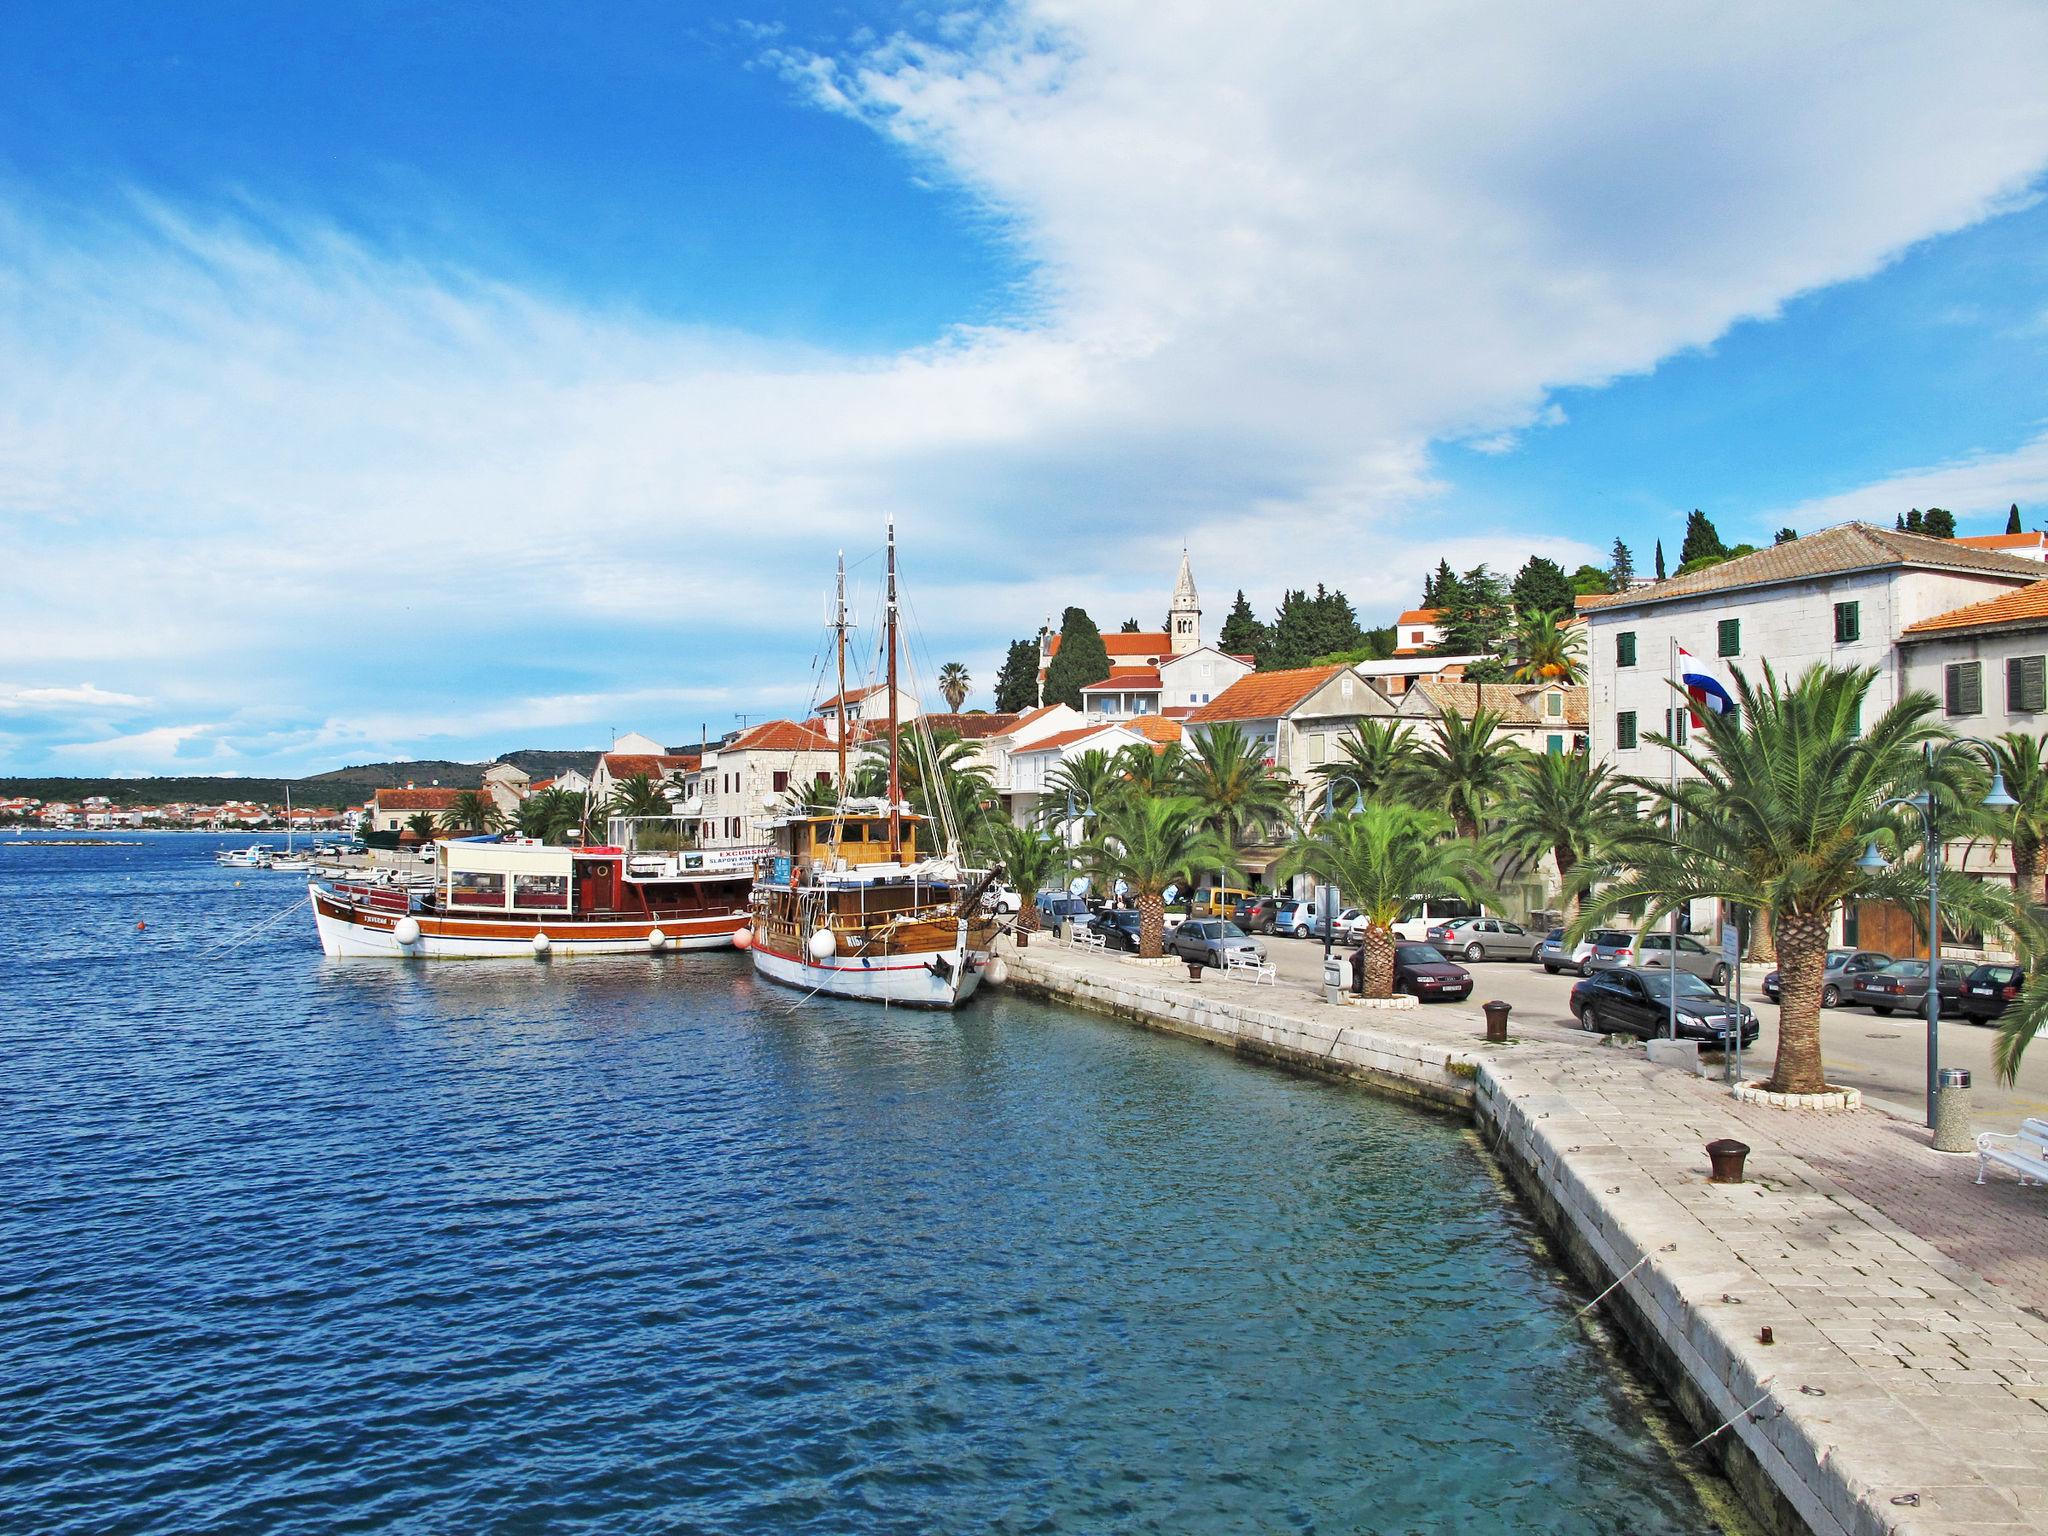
2025	605
1029	717
1067	738
971	727
1122	678
1157	729
781	736
1146	643
433	799
2035	541
1264	695
628	765
1420	616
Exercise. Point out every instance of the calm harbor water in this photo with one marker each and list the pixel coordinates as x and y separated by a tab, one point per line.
291	1245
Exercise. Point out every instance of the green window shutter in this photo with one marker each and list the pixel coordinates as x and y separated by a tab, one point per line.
1676	722
1625	730
1731	637
1848	623
1625	648
2026	685
1965	688
1555	744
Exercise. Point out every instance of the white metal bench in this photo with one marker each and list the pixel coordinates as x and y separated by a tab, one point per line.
1255	971
2027	1156
1082	938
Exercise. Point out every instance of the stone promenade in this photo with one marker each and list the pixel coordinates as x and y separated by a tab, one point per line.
1906	1385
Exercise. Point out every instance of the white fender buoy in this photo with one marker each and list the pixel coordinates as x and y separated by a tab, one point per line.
541	943
744	939
655	939
823	946
407	932
997	971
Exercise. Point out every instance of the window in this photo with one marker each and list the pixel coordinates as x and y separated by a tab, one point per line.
1965	692
1554	745
549	891
1415	637
471	889
1625	730
1677	722
1553	705
1317	746
1848	623
781	780
1625	648
1731	637
2026	685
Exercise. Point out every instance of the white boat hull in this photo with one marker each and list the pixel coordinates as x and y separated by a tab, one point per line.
369	933
942	980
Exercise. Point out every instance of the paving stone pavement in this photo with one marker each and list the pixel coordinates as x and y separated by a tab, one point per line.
1906	1389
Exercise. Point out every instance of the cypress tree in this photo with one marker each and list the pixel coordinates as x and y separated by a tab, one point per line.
1082	659
2012	519
1242	633
1701	538
1017	682
1621	567
1660	559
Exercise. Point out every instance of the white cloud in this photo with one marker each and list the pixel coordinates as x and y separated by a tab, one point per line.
1977	484
1279	250
76	696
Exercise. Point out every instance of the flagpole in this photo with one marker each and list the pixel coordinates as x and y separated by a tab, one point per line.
1672	717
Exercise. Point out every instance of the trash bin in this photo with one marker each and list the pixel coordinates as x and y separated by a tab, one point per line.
1496	1021
1333	979
1952	1111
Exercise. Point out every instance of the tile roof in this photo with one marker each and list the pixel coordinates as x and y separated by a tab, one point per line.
969	727
1420	616
2026	607
2037	542
1157	729
853	696
782	736
1066	739
434	799
627	765
1264	695
1030	717
1121	678
1830	552
1146	643
1516	703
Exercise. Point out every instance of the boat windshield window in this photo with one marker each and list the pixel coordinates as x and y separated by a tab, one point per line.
471	888
550	892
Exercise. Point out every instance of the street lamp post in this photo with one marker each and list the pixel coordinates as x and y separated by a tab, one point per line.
1923	805
1328	893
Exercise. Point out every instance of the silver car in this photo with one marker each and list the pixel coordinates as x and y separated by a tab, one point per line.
1206	940
1485	938
1653	953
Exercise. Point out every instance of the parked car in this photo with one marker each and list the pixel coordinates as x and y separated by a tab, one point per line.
1601	948
1990	990
1844	966
1425	912
1118	927
1617	1001
1217	901
1901	987
1055	907
1206	940
1484	938
1654	954
1553	954
1304	919
1256	914
1423	970
1002	898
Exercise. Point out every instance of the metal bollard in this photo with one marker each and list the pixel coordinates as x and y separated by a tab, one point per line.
1496	1021
1952	1111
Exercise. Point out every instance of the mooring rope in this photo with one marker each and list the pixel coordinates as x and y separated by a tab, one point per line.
1742	1414
263	927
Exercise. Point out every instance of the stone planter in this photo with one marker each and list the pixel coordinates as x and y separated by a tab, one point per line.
1834	1101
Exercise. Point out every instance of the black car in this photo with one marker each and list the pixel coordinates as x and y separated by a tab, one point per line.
1257	914
1620	1002
1990	990
1421	969
1844	967
1118	927
1902	987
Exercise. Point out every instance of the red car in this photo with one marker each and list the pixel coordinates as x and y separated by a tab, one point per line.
1423	970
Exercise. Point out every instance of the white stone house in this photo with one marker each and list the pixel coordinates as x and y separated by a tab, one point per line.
741	784
1033	764
1987	662
507	786
865	709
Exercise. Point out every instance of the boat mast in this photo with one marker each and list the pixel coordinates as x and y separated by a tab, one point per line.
895	779
839	628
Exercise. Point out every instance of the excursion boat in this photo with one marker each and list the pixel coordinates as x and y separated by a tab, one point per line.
255	856
846	906
514	897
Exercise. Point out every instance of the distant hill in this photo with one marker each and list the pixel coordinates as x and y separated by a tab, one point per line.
332	788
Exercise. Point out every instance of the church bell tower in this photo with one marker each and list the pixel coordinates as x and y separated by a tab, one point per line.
1184	619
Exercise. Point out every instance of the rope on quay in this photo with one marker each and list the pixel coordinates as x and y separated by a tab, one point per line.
1740	1414
1589	1306
263	927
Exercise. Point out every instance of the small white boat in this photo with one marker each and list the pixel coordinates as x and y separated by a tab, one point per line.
255	856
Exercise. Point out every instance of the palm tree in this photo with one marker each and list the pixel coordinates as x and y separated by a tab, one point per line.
1563	805
954	684
421	825
1377	756
1150	844
1787	796
2025	827
1381	858
637	796
1228	775
940	779
1030	858
1550	652
1091	781
472	811
552	814
1466	768
1148	770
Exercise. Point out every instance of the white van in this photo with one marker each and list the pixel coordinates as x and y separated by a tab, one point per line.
1424	912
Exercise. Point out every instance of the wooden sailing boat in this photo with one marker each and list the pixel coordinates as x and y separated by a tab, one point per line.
851	904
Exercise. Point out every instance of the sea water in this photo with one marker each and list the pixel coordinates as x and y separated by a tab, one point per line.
645	1244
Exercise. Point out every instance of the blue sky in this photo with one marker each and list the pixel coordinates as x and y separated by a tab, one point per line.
386	380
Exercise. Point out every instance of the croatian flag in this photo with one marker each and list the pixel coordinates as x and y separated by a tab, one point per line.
1703	688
